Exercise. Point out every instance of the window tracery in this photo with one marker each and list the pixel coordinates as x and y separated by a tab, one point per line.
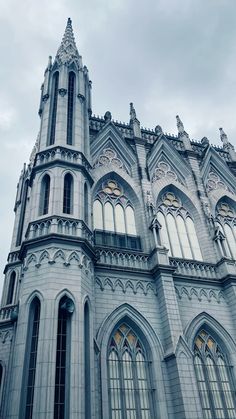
213	378
112	210
226	224
177	231
130	392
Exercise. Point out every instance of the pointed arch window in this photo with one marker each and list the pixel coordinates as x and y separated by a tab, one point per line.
61	399
87	367
114	218
70	107
54	99
112	211
86	203
213	374
11	288
226	222
31	357
44	195
68	194
177	233
130	390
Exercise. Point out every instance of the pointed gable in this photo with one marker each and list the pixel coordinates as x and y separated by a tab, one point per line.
165	161
215	172
110	148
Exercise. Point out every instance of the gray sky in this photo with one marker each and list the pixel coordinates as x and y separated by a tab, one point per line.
167	56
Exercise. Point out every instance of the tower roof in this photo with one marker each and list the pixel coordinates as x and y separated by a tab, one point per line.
67	52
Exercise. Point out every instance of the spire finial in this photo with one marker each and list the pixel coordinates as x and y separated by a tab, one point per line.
134	122
132	112
223	137
67	52
180	125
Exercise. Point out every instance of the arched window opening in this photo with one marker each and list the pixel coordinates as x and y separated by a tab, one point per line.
54	99
130	390
61	401
22	213
87	367
31	357
11	288
226	222
70	107
44	195
214	379
178	233
114	218
68	194
1	377
86	203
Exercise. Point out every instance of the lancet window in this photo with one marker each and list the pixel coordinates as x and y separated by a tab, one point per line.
226	223
130	390
54	99
44	195
112	210
177	233
11	288
68	194
213	374
70	107
32	344
66	308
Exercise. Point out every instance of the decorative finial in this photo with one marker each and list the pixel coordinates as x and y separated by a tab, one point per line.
205	141
67	52
158	130
223	137
180	125
49	61
107	116
132	112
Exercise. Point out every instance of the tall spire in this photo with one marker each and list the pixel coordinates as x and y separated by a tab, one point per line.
68	52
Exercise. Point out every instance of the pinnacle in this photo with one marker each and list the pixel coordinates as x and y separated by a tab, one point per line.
67	52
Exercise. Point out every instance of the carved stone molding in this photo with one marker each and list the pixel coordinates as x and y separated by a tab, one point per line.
124	285
55	255
5	335
199	293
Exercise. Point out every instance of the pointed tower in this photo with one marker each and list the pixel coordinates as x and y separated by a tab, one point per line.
50	266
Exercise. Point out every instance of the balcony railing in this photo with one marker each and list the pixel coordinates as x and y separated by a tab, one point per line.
123	241
8	313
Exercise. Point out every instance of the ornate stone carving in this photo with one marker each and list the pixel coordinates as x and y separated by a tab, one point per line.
81	97
107	116
34	151
6	335
214	182
124	285
62	92
109	157
67	52
45	97
164	170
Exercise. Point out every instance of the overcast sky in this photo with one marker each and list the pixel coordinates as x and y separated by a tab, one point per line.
167	56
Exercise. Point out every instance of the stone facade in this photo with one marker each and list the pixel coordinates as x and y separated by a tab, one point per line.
109	277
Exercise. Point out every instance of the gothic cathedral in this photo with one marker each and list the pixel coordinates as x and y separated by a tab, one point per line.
119	299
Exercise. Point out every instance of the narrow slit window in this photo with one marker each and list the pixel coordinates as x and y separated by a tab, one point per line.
11	288
70	107
44	196
54	100
68	194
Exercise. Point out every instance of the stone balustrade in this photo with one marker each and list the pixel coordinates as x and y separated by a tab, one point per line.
59	225
8	313
194	268
122	259
61	153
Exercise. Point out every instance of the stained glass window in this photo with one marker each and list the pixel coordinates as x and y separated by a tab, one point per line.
112	210
213	374
177	233
130	392
226	222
